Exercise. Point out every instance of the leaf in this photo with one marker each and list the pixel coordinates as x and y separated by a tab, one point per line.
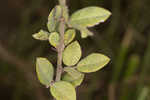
69	36
44	70
54	39
85	33
65	13
72	54
92	63
78	81
53	19
63	91
75	82
89	16
41	35
72	72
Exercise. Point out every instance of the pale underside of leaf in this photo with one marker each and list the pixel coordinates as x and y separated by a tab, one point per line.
44	71
90	16
63	91
72	54
92	63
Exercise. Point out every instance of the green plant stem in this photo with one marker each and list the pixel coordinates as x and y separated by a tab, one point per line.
60	47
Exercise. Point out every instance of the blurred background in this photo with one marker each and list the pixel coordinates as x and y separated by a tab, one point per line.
125	38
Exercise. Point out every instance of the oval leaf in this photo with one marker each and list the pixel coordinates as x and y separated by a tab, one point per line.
75	82
72	54
92	63
54	39
41	35
53	19
69	36
63	91
44	70
89	16
72	72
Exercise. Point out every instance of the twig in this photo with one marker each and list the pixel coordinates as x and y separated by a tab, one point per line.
60	50
60	47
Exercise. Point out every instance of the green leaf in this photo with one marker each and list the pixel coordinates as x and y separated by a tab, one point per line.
72	54
63	91
53	19
73	72
69	36
85	32
92	63
65	13
41	35
76	82
54	39
44	70
90	16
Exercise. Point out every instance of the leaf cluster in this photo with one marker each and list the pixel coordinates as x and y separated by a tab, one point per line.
75	67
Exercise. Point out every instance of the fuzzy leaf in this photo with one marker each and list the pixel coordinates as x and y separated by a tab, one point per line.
90	16
54	39
69	36
41	35
75	82
53	19
85	32
44	70
92	63
78	81
63	91
72	72
72	54
65	13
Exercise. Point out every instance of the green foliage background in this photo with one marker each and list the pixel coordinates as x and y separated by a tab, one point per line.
125	38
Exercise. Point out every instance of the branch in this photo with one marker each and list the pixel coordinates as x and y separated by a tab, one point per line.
60	47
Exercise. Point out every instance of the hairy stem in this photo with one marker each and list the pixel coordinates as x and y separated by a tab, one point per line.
60	47
60	50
